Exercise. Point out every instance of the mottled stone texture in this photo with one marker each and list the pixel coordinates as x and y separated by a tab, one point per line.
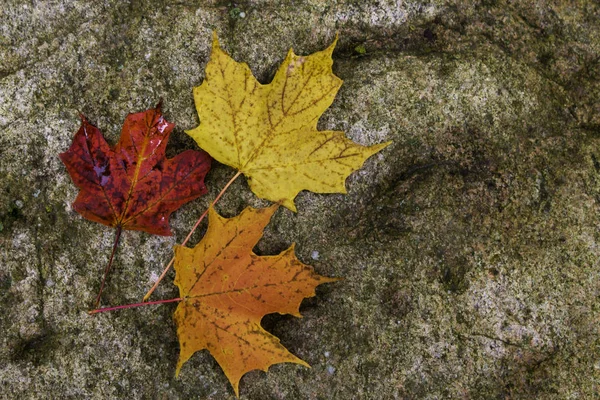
469	246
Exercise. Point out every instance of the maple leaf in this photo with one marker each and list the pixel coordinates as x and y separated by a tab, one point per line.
226	289
269	132
133	186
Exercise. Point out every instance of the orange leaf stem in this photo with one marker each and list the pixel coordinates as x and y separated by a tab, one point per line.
147	296
147	303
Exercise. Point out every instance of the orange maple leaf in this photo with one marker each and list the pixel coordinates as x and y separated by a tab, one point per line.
226	289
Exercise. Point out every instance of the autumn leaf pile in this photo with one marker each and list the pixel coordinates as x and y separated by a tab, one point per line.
269	134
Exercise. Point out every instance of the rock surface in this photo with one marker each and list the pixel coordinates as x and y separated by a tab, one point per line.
469	247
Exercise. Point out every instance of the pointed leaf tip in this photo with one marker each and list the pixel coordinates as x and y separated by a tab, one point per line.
334	43
272	209
215	40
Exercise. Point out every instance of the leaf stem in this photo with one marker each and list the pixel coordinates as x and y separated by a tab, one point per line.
148	303
160	278
109	265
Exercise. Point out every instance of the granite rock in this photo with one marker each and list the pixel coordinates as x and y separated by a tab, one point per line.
469	247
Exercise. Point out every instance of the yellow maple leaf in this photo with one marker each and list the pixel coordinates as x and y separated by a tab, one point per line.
226	289
269	132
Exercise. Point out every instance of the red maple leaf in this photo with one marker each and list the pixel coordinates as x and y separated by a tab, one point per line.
133	186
